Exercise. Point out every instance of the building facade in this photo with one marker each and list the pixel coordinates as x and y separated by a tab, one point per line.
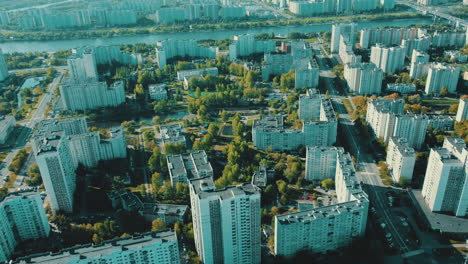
445	187
363	78
155	247
389	59
22	217
7	125
321	163
226	223
327	227
400	159
462	112
338	30
440	75
3	67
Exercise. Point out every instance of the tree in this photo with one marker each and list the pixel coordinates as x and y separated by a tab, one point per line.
328	184
453	109
443	91
224	115
174	148
156	182
97	239
157	224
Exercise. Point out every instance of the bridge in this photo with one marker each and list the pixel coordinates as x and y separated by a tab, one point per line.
433	11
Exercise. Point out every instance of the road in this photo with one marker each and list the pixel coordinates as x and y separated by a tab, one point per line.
435	11
41	6
28	126
58	68
274	10
148	185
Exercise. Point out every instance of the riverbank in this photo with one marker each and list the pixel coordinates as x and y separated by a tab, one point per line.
123	32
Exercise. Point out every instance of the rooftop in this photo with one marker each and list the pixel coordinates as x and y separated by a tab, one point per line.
189	163
402	146
204	188
48	142
108	247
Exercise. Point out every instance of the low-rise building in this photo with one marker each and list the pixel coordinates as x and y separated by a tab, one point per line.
169	213
158	92
403	88
184	167
262	176
170	134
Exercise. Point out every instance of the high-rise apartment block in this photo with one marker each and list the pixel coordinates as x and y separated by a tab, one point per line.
387	36
445	187
419	64
87	148
184	167
22	217
327	227
3	67
389	59
319	127
55	163
338	30
400	159
448	38
170	48
462	112
82	65
88	94
155	247
363	78
346	52
245	45
305	69
441	75
226	222
7	124
321	163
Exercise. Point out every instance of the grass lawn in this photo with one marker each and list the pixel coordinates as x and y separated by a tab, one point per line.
440	102
347	105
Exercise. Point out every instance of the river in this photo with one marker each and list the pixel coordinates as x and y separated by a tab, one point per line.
48	46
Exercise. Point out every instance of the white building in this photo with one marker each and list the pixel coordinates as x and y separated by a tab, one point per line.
321	163
403	88
422	43
328	227
187	74
346	52
419	64
170	14
170	48
155	247
363	78
387	36
445	186
380	116
3	67
448	38
113	145
317	130
57	170
226	222
7	124
389	59
246	45
233	12
462	112
310	105
306	72
22	217
109	54
410	126
338	30
88	94
184	167
82	65
443	122
400	159
158	92
441	75
170	134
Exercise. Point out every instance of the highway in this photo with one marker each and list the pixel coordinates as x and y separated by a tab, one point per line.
435	11
28	126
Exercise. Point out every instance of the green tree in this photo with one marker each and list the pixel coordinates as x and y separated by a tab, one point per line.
156	182
157	224
97	239
443	91
328	184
